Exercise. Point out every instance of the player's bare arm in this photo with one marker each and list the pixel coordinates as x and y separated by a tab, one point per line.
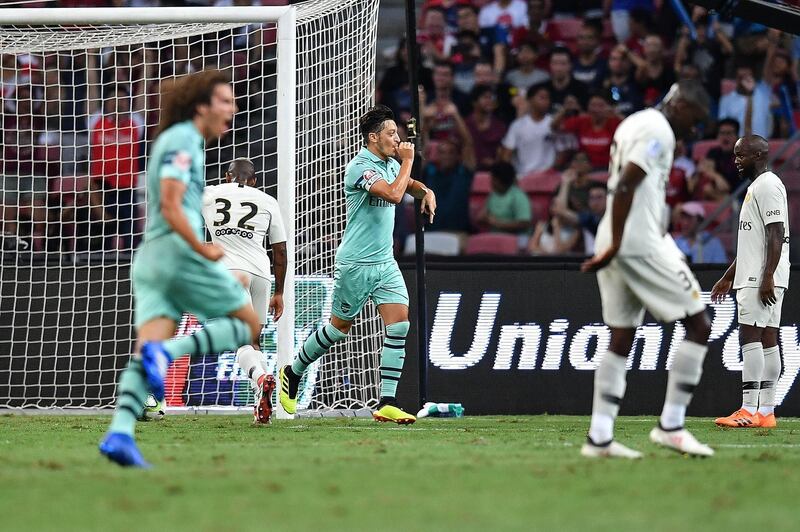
630	179
394	193
172	191
419	191
775	233
723	286
279	260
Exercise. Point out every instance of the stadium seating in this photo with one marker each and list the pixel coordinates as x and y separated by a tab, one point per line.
702	147
565	29
436	243
492	244
540	182
481	183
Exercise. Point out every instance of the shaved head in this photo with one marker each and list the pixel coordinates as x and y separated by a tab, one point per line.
241	170
751	154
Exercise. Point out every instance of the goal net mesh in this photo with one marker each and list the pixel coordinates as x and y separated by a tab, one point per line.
79	109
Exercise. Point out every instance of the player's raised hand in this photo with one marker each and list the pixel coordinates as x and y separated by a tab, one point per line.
720	290
599	261
405	150
428	205
276	306
211	251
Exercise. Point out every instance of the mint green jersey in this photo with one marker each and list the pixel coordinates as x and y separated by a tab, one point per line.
178	153
370	220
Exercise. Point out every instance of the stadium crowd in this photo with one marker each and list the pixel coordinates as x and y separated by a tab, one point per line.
519	103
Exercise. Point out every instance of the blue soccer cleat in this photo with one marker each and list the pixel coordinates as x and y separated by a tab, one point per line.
121	448
155	362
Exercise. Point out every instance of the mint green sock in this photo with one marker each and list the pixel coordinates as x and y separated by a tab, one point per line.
216	336
393	355
131	395
315	346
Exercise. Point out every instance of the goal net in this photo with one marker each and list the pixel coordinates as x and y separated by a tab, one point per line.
79	109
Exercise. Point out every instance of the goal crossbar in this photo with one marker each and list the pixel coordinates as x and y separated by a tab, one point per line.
142	15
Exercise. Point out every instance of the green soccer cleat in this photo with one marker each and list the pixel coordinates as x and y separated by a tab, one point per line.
394	414
288	402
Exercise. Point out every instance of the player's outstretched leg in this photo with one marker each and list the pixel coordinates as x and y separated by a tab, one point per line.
220	334
684	375
393	355
249	359
316	345
766	392
752	370
118	444
609	389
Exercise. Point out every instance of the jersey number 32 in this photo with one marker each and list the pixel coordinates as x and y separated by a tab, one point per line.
224	208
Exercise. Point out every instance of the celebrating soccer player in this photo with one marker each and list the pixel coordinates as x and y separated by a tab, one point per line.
365	267
174	270
640	267
760	276
239	218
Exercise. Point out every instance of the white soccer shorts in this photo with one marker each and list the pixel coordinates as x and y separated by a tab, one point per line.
750	310
259	289
664	285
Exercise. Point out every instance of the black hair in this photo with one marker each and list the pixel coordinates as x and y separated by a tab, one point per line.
605	94
504	173
595	24
478	91
561	50
533	89
598	184
468	6
373	120
446	64
242	170
729	122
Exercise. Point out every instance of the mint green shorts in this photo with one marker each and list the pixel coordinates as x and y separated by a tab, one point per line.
169	278
354	284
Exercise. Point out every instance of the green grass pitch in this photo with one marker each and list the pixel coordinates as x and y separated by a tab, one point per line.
219	473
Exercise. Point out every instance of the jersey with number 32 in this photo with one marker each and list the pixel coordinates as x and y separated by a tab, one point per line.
646	139
239	218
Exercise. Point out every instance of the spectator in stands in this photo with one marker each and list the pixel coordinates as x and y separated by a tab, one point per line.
526	75
493	41
640	23
450	9
577	8
25	226
707	53
749	104
619	81
621	14
593	129
393	90
86	218
536	31
575	183
562	85
553	237
465	55
507	209
529	140
433	40
115	137
507	14
700	247
653	73
444	88
722	157
450	176
779	74
486	75
586	220
589	67
486	129
23	119
441	121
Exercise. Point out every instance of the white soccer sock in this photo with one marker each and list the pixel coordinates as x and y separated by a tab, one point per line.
752	369
609	388
769	378
250	361
687	368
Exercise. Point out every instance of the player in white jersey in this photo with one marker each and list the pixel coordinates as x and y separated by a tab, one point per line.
760	276
640	268
240	217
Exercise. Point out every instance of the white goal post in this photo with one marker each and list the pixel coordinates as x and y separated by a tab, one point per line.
79	109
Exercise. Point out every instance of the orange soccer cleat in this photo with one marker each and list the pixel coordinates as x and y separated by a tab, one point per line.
741	419
767	422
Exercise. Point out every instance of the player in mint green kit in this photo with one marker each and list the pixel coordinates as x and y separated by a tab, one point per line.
365	267
174	270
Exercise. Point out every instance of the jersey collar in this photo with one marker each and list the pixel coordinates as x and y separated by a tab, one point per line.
371	156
